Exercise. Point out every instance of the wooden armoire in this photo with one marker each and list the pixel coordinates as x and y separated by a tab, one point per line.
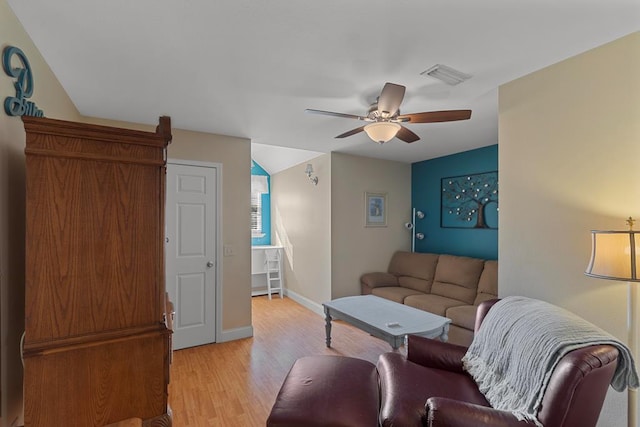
97	344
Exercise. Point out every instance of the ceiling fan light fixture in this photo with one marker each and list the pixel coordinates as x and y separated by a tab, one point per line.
446	74
382	132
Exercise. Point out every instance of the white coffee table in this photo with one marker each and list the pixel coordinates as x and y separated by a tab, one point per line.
385	319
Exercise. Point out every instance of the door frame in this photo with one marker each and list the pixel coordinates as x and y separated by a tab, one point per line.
218	227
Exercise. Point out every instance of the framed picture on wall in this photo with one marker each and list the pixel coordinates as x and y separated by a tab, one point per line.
469	201
375	209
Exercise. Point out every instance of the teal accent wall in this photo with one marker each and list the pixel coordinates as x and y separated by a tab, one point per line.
256	169
425	196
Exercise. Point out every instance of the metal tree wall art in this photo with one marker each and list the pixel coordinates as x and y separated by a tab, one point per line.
470	201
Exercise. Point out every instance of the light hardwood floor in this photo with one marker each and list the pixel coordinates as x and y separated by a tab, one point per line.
236	383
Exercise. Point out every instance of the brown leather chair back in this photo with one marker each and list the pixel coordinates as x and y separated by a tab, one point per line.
577	388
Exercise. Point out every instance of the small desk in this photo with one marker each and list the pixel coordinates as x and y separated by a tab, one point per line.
259	269
385	319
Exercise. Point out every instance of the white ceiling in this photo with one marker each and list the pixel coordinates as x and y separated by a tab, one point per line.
249	68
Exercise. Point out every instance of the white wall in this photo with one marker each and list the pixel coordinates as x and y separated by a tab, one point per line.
301	222
327	247
357	249
235	156
569	146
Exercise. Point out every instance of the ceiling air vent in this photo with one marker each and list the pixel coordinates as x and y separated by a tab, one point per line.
446	74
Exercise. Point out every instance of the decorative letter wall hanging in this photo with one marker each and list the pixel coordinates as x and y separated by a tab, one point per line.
18	105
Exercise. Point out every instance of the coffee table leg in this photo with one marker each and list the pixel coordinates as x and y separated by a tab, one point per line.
444	337
327	325
396	342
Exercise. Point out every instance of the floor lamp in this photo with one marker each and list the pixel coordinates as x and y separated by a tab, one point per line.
411	226
614	256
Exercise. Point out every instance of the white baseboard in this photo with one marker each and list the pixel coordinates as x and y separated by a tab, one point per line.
305	302
247	331
236	334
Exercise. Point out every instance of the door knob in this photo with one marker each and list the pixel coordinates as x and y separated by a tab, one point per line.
209	264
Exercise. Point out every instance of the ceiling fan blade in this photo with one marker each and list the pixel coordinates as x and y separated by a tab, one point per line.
406	135
351	132
331	113
390	99
435	116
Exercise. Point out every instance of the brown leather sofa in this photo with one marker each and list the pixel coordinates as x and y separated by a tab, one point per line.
446	285
428	387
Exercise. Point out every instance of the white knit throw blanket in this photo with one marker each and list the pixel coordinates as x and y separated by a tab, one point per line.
516	349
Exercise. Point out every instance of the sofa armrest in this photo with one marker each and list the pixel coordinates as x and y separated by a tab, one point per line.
435	354
369	281
443	412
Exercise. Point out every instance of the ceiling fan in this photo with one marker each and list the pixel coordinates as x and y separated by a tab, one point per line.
385	118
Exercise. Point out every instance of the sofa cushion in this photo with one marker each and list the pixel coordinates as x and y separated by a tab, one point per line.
415	284
463	315
405	387
488	283
460	336
394	293
379	279
435	304
457	277
419	265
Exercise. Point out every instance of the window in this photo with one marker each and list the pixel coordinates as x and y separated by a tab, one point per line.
259	186
256	215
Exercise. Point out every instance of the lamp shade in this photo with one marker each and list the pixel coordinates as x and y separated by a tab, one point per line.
382	132
614	256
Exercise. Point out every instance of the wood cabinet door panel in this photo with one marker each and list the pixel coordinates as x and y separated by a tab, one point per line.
92	247
97	385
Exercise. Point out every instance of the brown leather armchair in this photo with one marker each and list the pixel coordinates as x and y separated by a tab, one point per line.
429	387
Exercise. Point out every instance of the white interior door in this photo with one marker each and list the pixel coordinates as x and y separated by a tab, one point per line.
191	252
